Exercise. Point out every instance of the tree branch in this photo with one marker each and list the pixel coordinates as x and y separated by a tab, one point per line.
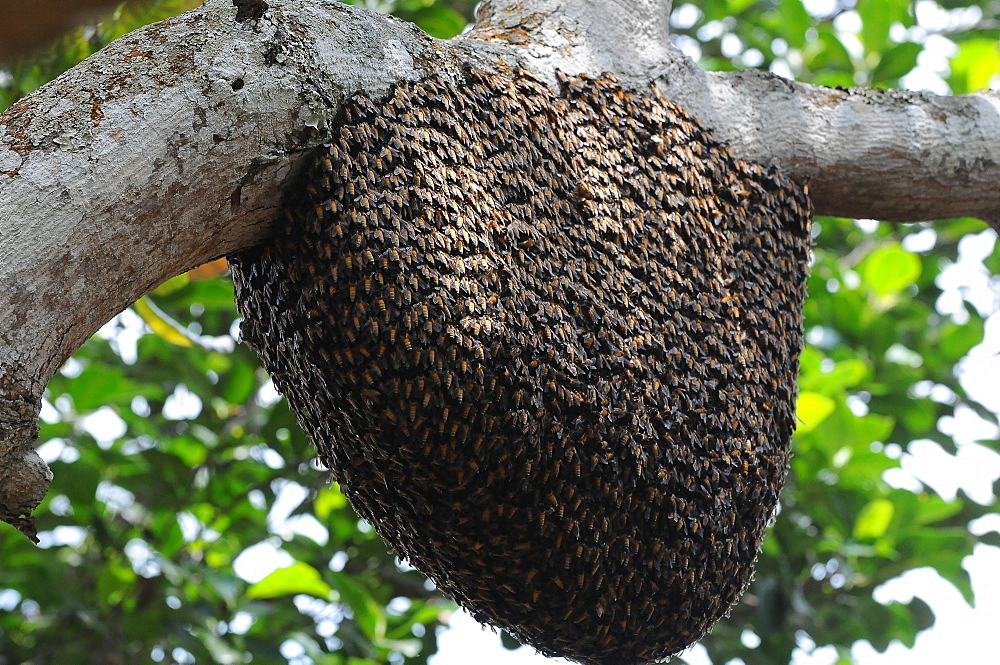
625	37
892	155
167	149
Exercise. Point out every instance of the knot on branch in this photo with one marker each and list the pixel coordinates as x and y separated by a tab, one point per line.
24	477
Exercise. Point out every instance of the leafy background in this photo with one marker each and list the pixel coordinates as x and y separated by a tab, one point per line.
173	455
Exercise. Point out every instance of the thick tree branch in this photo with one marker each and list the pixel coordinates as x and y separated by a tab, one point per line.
168	148
885	154
173	146
626	37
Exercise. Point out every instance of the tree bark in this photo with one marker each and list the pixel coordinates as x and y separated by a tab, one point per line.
173	146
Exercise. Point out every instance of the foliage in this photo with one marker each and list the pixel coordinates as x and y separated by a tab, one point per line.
195	460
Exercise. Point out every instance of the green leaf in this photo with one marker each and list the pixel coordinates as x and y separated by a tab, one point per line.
846	374
98	386
874	520
956	341
369	614
974	66
828	52
438	21
811	410
161	324
114	582
889	269
795	20
239	383
738	6
297	578
508	641
896	63
408	647
327	500
190	451
877	17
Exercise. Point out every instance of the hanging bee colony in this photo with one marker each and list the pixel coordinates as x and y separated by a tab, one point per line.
547	341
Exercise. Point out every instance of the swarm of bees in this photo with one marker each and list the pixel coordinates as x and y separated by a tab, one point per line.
547	341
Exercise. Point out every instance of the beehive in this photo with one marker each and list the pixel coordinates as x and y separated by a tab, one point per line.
547	342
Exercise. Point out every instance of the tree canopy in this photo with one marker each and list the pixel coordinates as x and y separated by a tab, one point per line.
174	456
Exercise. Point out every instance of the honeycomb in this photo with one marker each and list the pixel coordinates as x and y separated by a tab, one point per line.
547	342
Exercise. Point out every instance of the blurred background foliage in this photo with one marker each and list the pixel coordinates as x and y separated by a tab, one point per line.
186	523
